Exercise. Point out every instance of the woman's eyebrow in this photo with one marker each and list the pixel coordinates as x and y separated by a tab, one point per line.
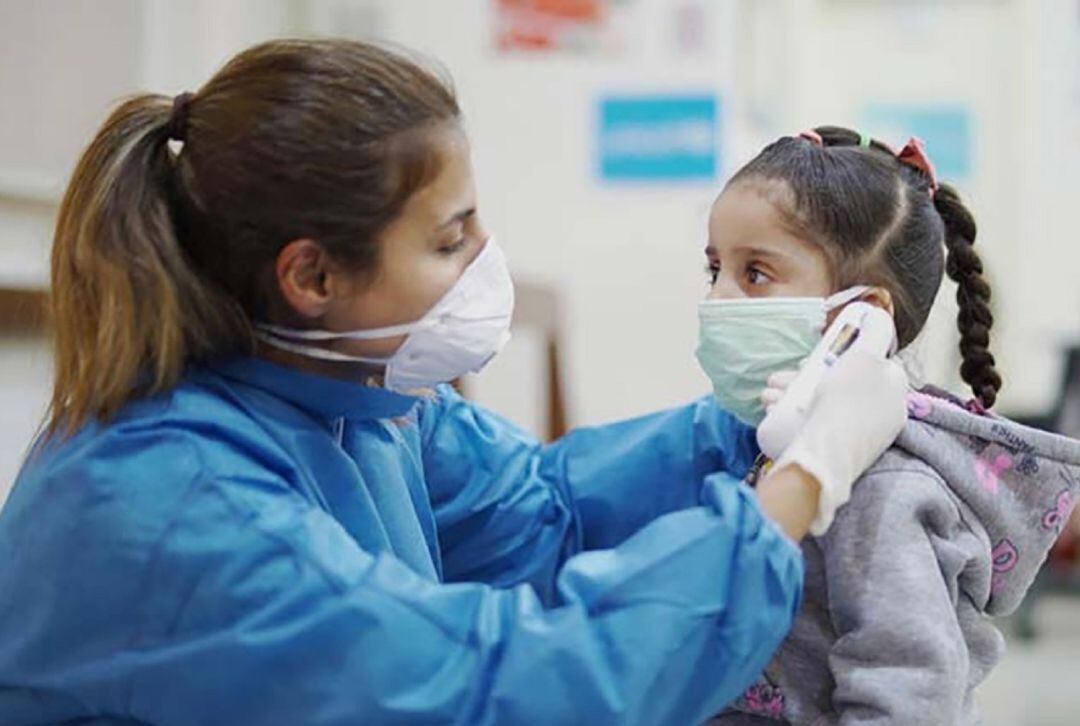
457	218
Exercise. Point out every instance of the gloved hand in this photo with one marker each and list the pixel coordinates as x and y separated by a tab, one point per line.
858	411
775	386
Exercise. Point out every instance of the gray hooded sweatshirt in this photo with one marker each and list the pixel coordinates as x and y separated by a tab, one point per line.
945	531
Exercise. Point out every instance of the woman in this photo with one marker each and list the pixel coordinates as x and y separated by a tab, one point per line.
253	501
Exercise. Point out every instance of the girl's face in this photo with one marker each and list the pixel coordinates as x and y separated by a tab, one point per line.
751	253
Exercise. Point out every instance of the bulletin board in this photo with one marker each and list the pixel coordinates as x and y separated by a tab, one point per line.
554	26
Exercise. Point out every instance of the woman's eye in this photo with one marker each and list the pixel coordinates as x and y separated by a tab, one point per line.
712	269
453	247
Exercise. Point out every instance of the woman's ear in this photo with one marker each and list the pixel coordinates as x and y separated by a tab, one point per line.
880	297
301	272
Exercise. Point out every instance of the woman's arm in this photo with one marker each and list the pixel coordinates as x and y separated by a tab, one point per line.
511	510
280	618
789	497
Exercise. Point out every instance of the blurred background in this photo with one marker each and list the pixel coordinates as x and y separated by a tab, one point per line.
602	130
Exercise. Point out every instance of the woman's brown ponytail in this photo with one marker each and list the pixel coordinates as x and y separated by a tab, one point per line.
127	308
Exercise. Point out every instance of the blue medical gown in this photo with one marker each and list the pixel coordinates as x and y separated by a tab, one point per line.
262	546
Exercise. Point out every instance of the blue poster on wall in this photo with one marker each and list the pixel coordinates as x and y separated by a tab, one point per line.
946	130
661	138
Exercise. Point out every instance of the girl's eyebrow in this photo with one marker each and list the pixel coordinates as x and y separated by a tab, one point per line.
771	254
761	252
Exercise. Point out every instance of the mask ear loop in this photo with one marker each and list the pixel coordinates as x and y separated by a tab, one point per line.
311	352
320	335
839	299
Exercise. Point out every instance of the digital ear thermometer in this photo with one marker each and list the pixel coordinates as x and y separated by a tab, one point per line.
859	326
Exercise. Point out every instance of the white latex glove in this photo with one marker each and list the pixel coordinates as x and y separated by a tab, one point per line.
775	387
857	413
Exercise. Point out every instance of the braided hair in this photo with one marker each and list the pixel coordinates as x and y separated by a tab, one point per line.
883	222
964	267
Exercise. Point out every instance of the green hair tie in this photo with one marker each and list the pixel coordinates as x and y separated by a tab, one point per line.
864	141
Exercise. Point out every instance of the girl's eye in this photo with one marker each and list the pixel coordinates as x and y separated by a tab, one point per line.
712	269
756	277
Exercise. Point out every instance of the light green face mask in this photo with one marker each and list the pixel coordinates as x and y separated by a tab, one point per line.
743	341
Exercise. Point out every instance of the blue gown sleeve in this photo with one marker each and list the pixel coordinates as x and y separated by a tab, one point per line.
511	510
279	617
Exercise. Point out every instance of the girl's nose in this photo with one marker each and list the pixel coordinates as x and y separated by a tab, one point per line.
725	289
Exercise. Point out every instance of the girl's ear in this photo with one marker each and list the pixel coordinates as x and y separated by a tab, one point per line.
877	296
880	297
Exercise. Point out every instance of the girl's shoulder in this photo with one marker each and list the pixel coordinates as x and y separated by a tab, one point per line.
903	484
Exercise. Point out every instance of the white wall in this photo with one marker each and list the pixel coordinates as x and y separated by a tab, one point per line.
1043	284
26	377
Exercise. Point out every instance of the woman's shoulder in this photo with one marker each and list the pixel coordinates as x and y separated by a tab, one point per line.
116	486
162	441
95	513
134	464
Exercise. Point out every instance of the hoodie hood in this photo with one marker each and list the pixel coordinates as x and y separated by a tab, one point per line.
1016	483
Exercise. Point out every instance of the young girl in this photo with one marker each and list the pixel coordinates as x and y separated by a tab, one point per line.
951	525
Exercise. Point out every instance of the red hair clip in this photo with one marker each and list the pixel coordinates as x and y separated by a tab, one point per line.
812	136
914	154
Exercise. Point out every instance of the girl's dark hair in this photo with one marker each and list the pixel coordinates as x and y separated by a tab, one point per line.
162	257
880	223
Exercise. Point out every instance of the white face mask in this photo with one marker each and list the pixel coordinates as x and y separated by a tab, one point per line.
458	335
